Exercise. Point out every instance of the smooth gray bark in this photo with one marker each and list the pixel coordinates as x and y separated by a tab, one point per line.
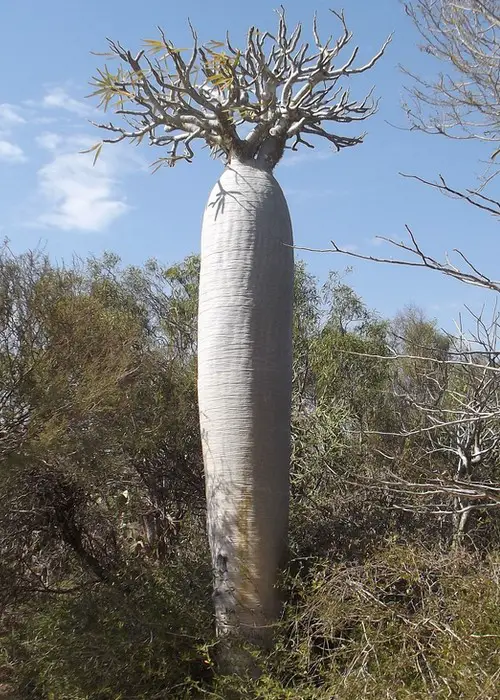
244	387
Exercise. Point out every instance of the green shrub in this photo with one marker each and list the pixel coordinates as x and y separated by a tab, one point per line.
142	637
408	624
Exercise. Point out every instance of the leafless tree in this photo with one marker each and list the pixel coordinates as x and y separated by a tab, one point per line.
446	461
464	100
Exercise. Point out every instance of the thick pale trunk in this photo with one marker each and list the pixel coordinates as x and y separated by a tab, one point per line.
244	388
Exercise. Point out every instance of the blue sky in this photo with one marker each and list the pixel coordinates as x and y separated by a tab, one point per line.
52	196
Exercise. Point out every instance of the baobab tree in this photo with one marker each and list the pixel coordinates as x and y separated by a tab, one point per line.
248	106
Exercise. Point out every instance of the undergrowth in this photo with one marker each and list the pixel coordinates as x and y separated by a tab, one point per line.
407	623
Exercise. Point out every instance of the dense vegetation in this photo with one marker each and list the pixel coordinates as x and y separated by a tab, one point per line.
105	578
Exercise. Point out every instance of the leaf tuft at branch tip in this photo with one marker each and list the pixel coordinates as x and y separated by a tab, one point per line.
155	45
96	149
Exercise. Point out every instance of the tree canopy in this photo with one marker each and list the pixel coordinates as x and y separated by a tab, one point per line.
247	103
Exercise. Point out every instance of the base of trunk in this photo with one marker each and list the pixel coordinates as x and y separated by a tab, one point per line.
235	658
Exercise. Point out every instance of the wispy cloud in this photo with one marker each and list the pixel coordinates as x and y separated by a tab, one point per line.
49	140
293	158
303	194
448	306
58	98
10	116
351	247
77	196
11	152
376	241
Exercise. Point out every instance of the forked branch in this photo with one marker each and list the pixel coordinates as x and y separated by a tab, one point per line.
469	275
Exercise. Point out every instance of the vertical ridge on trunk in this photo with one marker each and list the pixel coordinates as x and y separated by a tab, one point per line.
244	386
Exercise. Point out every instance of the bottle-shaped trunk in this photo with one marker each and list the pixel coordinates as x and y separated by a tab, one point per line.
244	387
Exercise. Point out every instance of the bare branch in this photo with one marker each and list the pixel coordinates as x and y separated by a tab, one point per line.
471	196
464	101
448	429
474	278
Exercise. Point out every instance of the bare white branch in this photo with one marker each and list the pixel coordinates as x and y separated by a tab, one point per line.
421	260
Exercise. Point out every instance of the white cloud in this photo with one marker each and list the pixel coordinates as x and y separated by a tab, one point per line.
304	195
294	158
9	116
376	241
58	98
77	195
351	247
11	153
49	140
